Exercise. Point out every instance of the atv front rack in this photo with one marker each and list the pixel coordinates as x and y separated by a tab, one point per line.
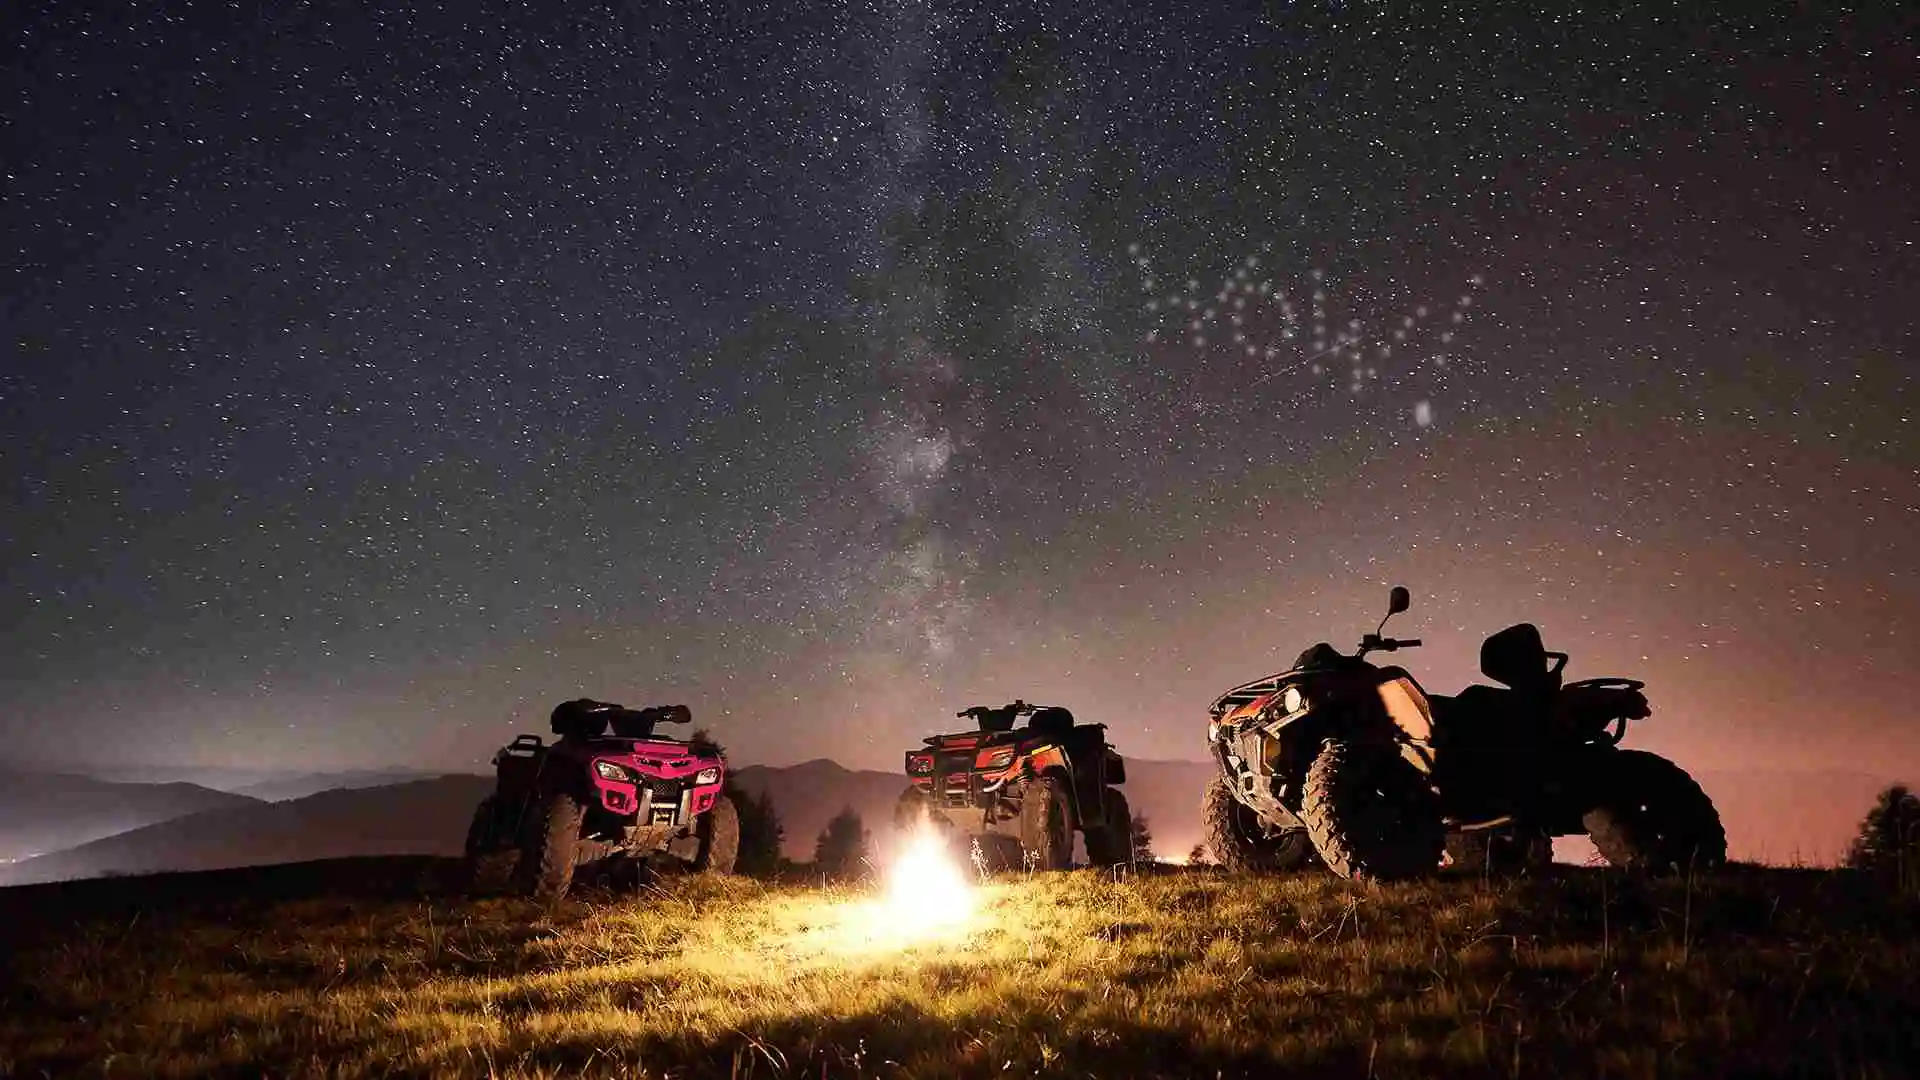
1250	692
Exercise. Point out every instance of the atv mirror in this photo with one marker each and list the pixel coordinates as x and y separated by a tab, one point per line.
1397	601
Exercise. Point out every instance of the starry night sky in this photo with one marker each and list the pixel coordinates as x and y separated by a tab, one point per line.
378	375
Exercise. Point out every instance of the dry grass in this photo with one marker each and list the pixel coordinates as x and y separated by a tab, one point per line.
364	970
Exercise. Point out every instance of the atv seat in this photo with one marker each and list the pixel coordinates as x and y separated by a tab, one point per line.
1517	658
1483	717
1053	721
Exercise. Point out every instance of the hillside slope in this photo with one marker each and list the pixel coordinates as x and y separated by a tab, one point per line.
364	969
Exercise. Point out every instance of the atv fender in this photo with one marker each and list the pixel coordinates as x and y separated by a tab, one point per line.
1086	787
1053	762
1288	745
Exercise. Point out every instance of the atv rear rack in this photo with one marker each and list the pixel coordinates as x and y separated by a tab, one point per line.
522	746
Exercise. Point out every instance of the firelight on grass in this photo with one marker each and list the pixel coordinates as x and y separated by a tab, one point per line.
926	886
925	901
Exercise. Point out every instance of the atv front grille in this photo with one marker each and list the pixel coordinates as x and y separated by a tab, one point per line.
665	809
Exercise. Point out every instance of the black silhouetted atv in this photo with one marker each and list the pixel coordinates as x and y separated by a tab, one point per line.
590	796
1358	764
1019	795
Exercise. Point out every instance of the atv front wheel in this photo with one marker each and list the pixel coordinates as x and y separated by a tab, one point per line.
1372	815
487	864
1498	852
992	853
913	807
719	833
546	866
1653	818
1046	828
1111	844
1240	840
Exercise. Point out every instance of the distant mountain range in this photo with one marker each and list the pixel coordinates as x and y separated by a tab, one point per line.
273	785
1783	817
49	811
419	817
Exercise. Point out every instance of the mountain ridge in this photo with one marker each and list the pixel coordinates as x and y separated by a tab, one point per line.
46	811
429	817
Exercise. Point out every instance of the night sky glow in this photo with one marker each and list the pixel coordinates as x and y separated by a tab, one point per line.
377	376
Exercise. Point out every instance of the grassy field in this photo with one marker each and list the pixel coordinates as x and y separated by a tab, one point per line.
369	968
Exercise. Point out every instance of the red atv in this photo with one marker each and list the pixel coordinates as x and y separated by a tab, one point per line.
1019	795
594	797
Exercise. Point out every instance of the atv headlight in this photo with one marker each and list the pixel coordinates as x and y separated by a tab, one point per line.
708	775
1293	700
610	770
999	759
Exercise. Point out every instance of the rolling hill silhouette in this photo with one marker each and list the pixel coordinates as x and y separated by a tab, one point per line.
1787	818
50	811
424	817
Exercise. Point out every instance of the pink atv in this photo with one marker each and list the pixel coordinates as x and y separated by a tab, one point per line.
603	799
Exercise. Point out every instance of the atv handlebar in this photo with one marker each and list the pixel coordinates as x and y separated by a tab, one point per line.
1374	642
666	714
1017	707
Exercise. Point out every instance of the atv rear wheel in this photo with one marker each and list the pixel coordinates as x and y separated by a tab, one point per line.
546	865
719	833
487	864
1497	852
1111	844
1653	818
1240	840
1046	826
1372	815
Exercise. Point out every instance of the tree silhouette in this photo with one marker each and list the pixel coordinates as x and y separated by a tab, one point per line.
1142	838
1888	846
1198	856
760	828
761	832
843	846
703	743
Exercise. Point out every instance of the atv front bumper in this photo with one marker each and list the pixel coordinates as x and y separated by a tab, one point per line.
968	800
962	791
657	801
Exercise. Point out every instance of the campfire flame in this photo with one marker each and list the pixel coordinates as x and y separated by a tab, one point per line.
926	885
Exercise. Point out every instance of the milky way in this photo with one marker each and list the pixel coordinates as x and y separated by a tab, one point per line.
375	379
